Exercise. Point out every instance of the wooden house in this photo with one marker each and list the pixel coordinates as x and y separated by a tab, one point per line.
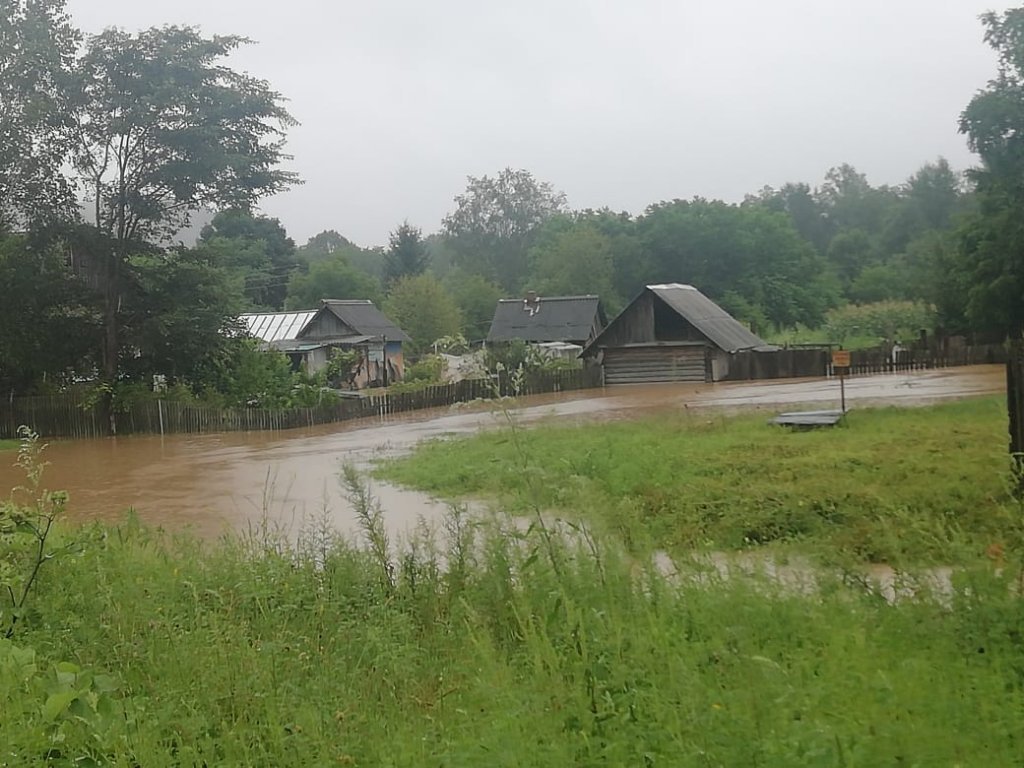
308	336
670	332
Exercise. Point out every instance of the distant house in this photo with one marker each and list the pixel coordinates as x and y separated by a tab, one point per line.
670	332
308	336
548	320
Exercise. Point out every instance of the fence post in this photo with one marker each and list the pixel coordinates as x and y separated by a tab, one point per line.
1015	410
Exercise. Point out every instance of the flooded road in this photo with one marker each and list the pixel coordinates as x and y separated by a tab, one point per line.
212	484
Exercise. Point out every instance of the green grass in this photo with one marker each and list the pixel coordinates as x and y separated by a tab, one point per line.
8	445
524	652
904	486
502	644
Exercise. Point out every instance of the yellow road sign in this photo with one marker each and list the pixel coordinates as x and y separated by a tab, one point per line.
841	358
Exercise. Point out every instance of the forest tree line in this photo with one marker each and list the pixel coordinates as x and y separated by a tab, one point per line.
110	144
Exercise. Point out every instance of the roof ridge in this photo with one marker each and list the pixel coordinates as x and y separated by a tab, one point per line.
559	298
277	312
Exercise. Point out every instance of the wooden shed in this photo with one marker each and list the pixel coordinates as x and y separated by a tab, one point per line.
670	332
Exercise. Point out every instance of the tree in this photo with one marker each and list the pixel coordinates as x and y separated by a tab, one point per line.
180	316
423	309
37	49
324	244
631	264
329	243
258	246
850	252
929	200
476	298
848	201
333	278
744	252
161	127
407	254
572	259
804	209
494	223
992	240
49	331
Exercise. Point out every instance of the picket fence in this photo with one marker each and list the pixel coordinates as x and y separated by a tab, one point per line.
72	415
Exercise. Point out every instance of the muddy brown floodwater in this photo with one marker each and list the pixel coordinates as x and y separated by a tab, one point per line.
212	484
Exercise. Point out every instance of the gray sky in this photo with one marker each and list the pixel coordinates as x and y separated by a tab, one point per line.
619	103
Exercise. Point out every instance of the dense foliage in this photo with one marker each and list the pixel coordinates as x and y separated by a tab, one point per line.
800	256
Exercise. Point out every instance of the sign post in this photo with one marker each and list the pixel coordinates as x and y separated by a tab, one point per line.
841	365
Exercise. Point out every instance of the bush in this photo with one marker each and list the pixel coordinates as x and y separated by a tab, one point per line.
881	319
425	372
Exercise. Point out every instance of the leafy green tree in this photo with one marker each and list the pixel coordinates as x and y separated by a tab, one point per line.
259	247
256	378
329	243
805	210
441	255
495	222
49	329
746	251
928	201
632	266
333	278
407	254
423	309
991	260
162	127
476	298
848	201
572	259
322	246
880	282
181	316
849	253
37	50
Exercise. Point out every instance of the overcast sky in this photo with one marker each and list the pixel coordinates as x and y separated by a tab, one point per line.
618	103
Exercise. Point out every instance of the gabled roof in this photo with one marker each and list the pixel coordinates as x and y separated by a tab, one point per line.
702	313
277	326
552	318
721	328
362	316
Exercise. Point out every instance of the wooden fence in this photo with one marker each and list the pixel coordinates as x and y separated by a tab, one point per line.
749	365
786	363
71	415
880	360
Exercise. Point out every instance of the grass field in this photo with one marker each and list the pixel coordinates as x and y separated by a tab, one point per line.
504	645
8	445
523	652
903	486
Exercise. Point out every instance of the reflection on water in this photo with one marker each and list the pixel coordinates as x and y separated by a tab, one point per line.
215	483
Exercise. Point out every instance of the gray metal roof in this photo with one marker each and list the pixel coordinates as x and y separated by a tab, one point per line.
277	326
556	318
362	316
702	313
